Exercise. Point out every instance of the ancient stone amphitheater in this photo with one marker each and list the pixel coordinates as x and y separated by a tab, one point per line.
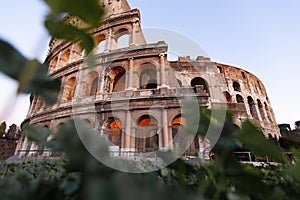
134	89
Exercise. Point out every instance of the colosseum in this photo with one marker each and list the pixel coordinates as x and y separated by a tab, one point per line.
134	89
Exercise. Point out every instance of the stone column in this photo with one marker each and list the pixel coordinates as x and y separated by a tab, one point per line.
170	137
160	137
162	70
165	128
108	44
137	81
130	74
127	131
133	136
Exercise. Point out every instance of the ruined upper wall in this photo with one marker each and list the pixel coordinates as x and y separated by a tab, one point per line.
114	7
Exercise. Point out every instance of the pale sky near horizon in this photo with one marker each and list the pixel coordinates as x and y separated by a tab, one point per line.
262	37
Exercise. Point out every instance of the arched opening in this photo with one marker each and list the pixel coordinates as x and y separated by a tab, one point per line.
147	139
268	112
113	131
64	58
252	108
236	86
244	75
261	110
148	76
198	81
181	140
228	97
69	89
178	124
220	69
92	86
53	64
117	79
100	41
122	38
239	99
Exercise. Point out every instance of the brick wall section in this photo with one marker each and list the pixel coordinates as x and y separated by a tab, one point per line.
7	148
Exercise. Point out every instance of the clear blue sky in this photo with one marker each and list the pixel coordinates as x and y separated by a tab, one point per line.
262	37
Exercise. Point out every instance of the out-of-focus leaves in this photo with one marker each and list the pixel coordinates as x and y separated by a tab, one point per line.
253	139
31	75
68	32
294	170
36	133
89	11
11	60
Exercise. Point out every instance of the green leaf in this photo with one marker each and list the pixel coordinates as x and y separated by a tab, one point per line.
36	133
70	33
11	61
31	74
294	169
254	139
89	11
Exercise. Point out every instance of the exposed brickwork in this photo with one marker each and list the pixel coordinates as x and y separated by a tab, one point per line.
7	148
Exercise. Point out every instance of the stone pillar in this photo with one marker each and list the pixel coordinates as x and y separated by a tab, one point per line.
137	81
160	137
71	54
108	44
162	70
133	136
132	34
130	74
165	128
127	130
170	137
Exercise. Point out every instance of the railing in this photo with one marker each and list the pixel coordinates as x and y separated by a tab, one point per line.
39	155
247	156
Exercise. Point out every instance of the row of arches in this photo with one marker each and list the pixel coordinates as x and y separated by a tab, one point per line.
120	39
116	81
256	108
147	134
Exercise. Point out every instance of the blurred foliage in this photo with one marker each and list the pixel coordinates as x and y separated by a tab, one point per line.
32	75
78	175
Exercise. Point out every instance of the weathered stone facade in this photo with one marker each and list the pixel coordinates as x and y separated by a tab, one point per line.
134	88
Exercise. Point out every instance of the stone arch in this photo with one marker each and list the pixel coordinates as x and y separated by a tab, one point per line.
122	38
53	63
92	83
261	110
69	89
236	86
268	112
100	43
147	138
117	82
252	108
198	81
64	58
147	73
227	96
113	130
178	124
239	99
